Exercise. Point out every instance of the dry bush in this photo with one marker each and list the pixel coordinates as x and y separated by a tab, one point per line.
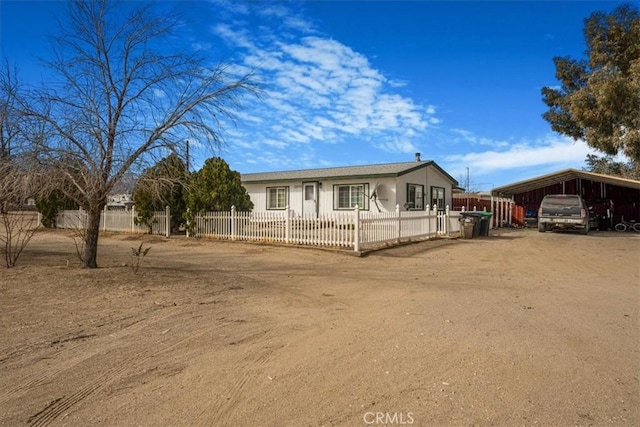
17	226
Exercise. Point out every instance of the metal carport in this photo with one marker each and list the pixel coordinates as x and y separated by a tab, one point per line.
621	195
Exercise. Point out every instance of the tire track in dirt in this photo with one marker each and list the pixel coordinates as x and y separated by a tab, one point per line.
245	370
120	337
64	403
31	381
37	377
47	375
131	363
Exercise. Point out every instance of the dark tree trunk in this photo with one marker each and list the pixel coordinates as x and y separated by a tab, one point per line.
90	255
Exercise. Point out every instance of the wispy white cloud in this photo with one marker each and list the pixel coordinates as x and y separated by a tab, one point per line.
468	137
238	37
322	98
551	151
396	145
319	90
273	10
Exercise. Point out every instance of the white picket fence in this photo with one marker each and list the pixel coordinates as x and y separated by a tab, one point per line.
117	220
356	229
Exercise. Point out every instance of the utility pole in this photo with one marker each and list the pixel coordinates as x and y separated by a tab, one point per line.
187	159
467	188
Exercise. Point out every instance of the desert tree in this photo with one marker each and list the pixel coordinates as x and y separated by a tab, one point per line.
120	95
163	184
609	165
215	187
50	203
599	97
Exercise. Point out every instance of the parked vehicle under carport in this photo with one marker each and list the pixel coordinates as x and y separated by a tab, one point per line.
563	211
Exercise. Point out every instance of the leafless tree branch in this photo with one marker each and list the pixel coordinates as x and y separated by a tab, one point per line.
118	99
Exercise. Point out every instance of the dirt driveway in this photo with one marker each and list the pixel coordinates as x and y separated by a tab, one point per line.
519	328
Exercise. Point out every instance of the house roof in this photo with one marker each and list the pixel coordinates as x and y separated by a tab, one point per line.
345	172
561	176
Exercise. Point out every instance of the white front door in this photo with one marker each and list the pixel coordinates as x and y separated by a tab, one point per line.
310	198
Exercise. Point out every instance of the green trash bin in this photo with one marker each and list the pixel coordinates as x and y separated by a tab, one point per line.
485	223
481	221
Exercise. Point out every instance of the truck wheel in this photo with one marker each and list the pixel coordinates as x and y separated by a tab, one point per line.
585	230
542	228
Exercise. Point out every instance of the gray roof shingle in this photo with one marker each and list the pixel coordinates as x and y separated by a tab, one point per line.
353	172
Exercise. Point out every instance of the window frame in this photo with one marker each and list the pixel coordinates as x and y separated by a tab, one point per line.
440	203
365	197
269	198
410	202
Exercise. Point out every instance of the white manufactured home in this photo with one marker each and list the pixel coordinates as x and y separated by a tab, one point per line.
375	188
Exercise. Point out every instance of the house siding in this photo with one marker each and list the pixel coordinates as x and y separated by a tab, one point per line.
418	177
391	190
437	179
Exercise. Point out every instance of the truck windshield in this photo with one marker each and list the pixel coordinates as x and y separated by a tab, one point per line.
561	201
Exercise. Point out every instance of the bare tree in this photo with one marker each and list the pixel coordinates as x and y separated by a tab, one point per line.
9	128
17	226
18	177
119	98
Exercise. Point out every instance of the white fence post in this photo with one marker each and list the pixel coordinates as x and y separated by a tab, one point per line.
80	222
287	224
446	220
356	230
133	219
233	223
104	219
493	213
188	223
437	220
167	215
399	221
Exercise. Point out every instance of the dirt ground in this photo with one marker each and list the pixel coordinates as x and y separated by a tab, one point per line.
520	328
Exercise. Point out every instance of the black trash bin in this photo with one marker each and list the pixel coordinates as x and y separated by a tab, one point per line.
485	222
481	221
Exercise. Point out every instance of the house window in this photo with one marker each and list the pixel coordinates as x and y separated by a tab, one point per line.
309	192
437	198
277	197
415	199
349	196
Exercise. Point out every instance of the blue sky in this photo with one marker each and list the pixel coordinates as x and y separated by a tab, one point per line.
357	82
